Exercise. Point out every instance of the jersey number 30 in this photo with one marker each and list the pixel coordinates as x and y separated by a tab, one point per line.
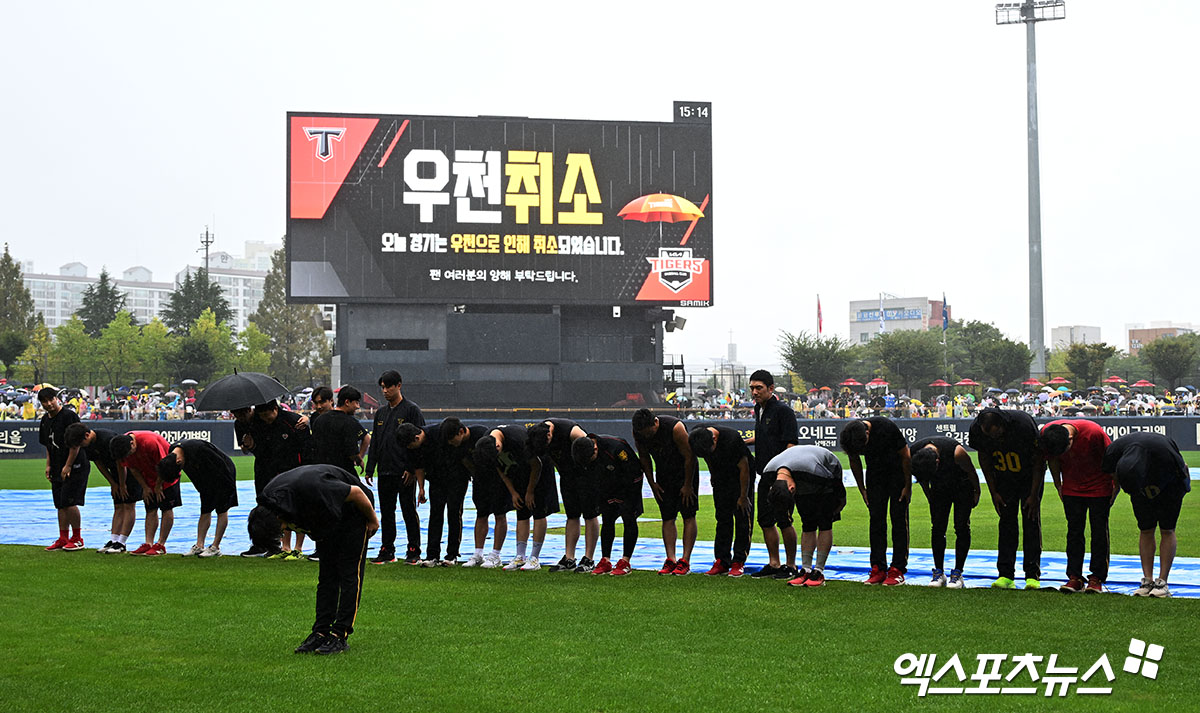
1007	462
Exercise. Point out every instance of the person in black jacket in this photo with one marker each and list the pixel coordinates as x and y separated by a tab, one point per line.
397	482
337	511
728	458
886	490
280	437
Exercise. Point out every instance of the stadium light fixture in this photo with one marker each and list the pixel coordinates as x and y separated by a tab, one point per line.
1030	13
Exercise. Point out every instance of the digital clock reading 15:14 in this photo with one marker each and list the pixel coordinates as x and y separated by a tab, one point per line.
693	112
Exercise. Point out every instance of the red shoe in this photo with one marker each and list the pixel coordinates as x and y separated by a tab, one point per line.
799	581
668	567
1094	585
719	567
738	569
603	566
623	568
74	544
143	550
156	549
894	577
682	567
877	575
58	544
815	579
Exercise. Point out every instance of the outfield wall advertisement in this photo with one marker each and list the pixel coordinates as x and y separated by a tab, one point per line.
442	209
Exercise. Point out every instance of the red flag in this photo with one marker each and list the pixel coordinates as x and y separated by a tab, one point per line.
819	322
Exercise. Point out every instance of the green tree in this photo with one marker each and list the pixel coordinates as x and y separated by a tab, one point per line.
74	353
820	361
189	300
1056	365
970	345
1130	367
154	348
219	338
1172	358
1087	361
253	350
299	350
100	304
35	361
1005	361
191	357
116	350
909	358
17	317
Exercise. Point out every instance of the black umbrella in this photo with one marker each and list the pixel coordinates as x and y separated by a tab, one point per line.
239	391
140	382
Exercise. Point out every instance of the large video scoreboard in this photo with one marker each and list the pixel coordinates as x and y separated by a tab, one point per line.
441	209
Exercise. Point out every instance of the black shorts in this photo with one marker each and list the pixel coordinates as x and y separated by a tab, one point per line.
1018	486
1161	512
628	509
134	490
672	505
489	496
171	499
579	497
219	499
69	492
767	515
818	511
545	496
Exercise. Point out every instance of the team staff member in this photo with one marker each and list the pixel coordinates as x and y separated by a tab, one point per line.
774	430
1014	468
427	458
488	495
1151	469
396	481
138	452
553	437
67	469
665	439
611	464
808	479
529	480
336	510
1074	451
126	492
337	436
945	472
281	439
886	492
728	458
214	476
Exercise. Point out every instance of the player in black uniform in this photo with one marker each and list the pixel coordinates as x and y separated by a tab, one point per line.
126	491
529	480
488	494
338	512
1014	468
665	439
945	472
728	458
612	466
280	437
886	491
67	469
214	476
1151	469
396	481
553	437
427	457
774	430
337	436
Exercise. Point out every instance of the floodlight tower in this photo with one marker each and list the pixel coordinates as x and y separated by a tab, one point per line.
1031	12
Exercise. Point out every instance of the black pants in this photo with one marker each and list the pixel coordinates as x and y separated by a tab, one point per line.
608	528
339	579
961	499
391	489
446	495
883	495
734	525
1082	511
1030	519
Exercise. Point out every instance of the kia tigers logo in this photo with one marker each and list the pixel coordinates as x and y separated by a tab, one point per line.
323	137
675	267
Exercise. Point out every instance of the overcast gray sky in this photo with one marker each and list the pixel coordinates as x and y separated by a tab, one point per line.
858	147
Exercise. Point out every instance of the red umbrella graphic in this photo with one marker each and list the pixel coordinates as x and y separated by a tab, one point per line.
662	208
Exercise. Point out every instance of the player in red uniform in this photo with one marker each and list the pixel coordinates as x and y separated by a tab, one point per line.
139	453
1074	451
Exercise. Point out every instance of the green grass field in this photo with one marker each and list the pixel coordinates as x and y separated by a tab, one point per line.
93	633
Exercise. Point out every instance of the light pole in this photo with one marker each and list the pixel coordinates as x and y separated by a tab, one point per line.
1031	12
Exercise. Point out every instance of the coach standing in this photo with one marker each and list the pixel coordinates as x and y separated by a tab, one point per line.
774	431
396	481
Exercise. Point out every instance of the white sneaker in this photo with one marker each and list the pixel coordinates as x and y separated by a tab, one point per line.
491	561
531	565
106	548
448	562
210	551
430	563
1161	590
1146	588
516	563
939	579
956	580
193	551
474	561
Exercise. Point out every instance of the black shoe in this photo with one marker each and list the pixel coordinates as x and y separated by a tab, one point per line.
311	644
786	572
766	571
117	549
586	565
314	558
384	557
332	645
566	564
255	551
412	557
